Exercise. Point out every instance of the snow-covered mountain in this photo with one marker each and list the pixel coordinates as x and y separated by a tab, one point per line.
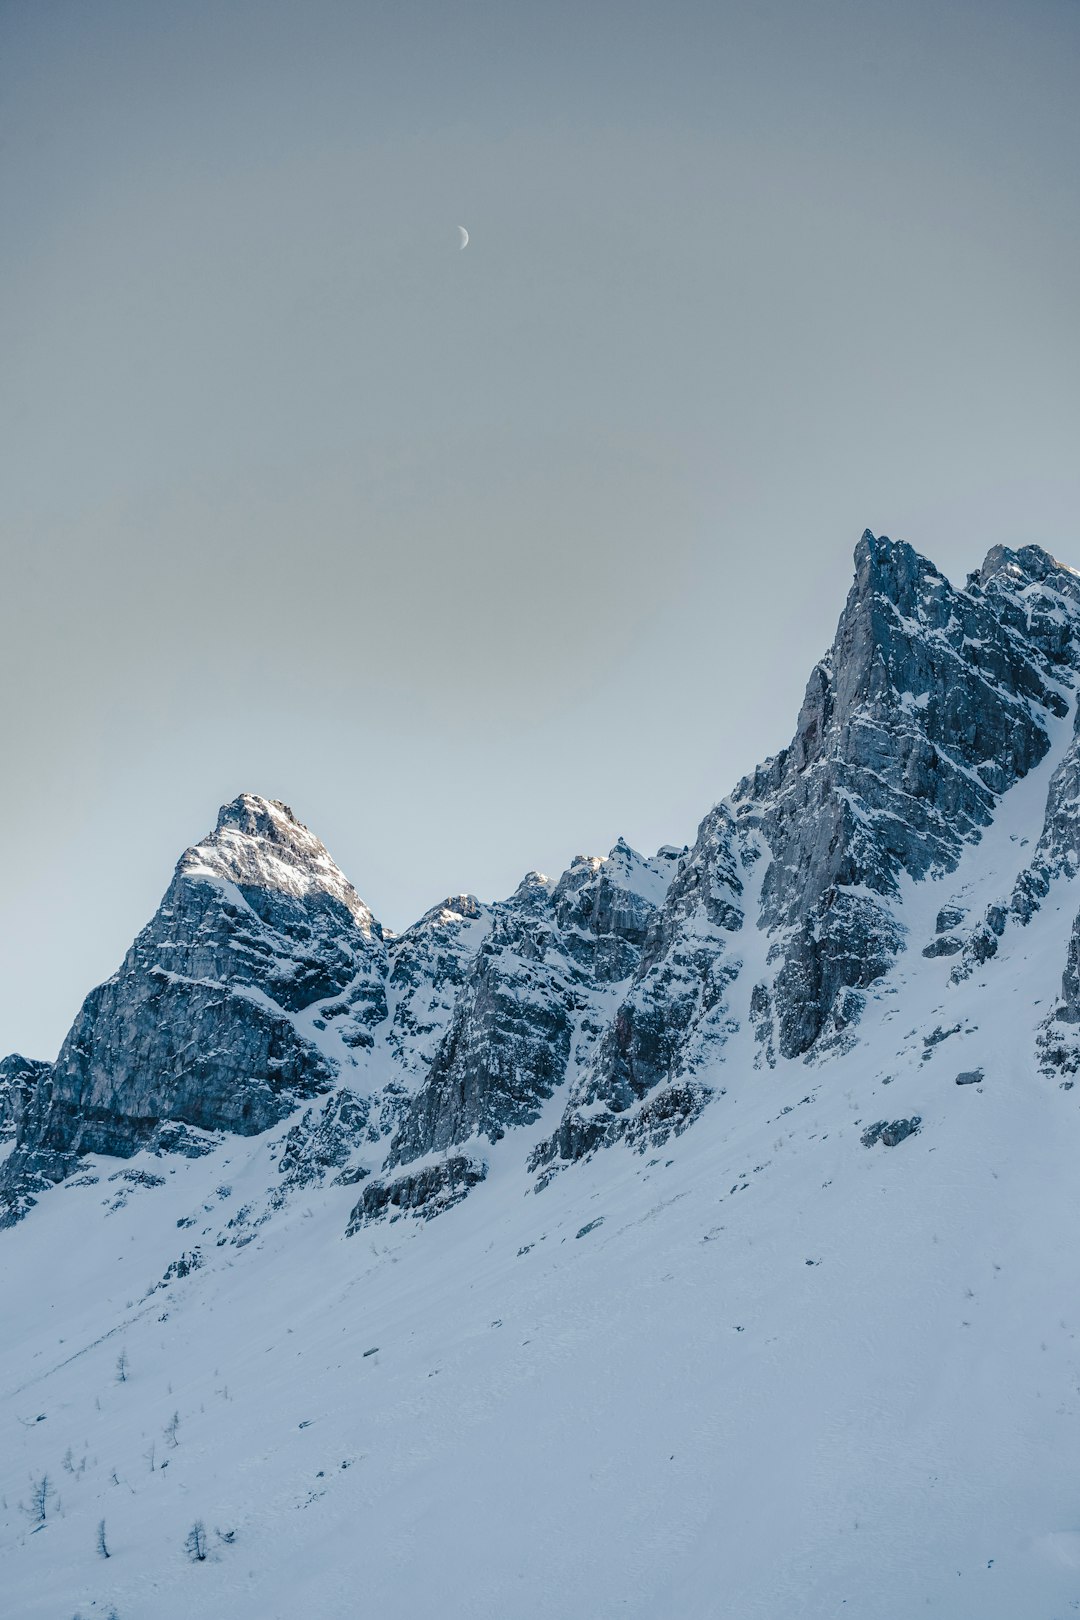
691	1235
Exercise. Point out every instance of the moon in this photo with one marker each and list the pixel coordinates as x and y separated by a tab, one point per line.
464	239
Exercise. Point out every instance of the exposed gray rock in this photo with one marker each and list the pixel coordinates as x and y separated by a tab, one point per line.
674	1018
182	1266
1056	855
138	1178
666	1113
508	1043
604	909
970	1077
946	945
531	1005
890	1133
423	1192
173	1137
1058	1041
19	1078
351	1174
429	964
936	1036
324	1139
1050	595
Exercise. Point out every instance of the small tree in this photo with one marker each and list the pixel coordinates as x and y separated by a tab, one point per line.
42	1493
121	1367
102	1544
171	1428
195	1542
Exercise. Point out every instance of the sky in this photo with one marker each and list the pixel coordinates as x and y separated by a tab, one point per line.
482	559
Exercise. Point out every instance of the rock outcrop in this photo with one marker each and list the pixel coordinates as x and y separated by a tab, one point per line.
429	964
535	998
673	1017
422	1193
19	1079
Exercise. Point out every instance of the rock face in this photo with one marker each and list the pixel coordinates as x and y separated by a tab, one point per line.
605	1000
535	997
931	703
323	1141
429	964
19	1078
422	1193
890	1132
673	1018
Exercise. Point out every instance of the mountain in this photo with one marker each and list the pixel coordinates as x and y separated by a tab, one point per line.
689	1234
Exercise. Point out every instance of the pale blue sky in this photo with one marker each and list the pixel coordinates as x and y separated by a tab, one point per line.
482	559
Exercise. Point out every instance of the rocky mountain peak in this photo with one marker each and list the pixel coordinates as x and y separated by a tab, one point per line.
533	893
1029	564
455	909
648	877
252	814
891	568
259	844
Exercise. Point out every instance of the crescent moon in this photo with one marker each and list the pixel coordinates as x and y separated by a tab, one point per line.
464	238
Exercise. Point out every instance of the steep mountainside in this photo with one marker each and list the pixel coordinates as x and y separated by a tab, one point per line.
687	1235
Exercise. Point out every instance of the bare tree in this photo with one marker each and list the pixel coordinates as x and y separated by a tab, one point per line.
102	1544
151	1455
122	1367
42	1493
171	1428
195	1542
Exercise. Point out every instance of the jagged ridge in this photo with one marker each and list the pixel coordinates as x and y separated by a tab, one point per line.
264	981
